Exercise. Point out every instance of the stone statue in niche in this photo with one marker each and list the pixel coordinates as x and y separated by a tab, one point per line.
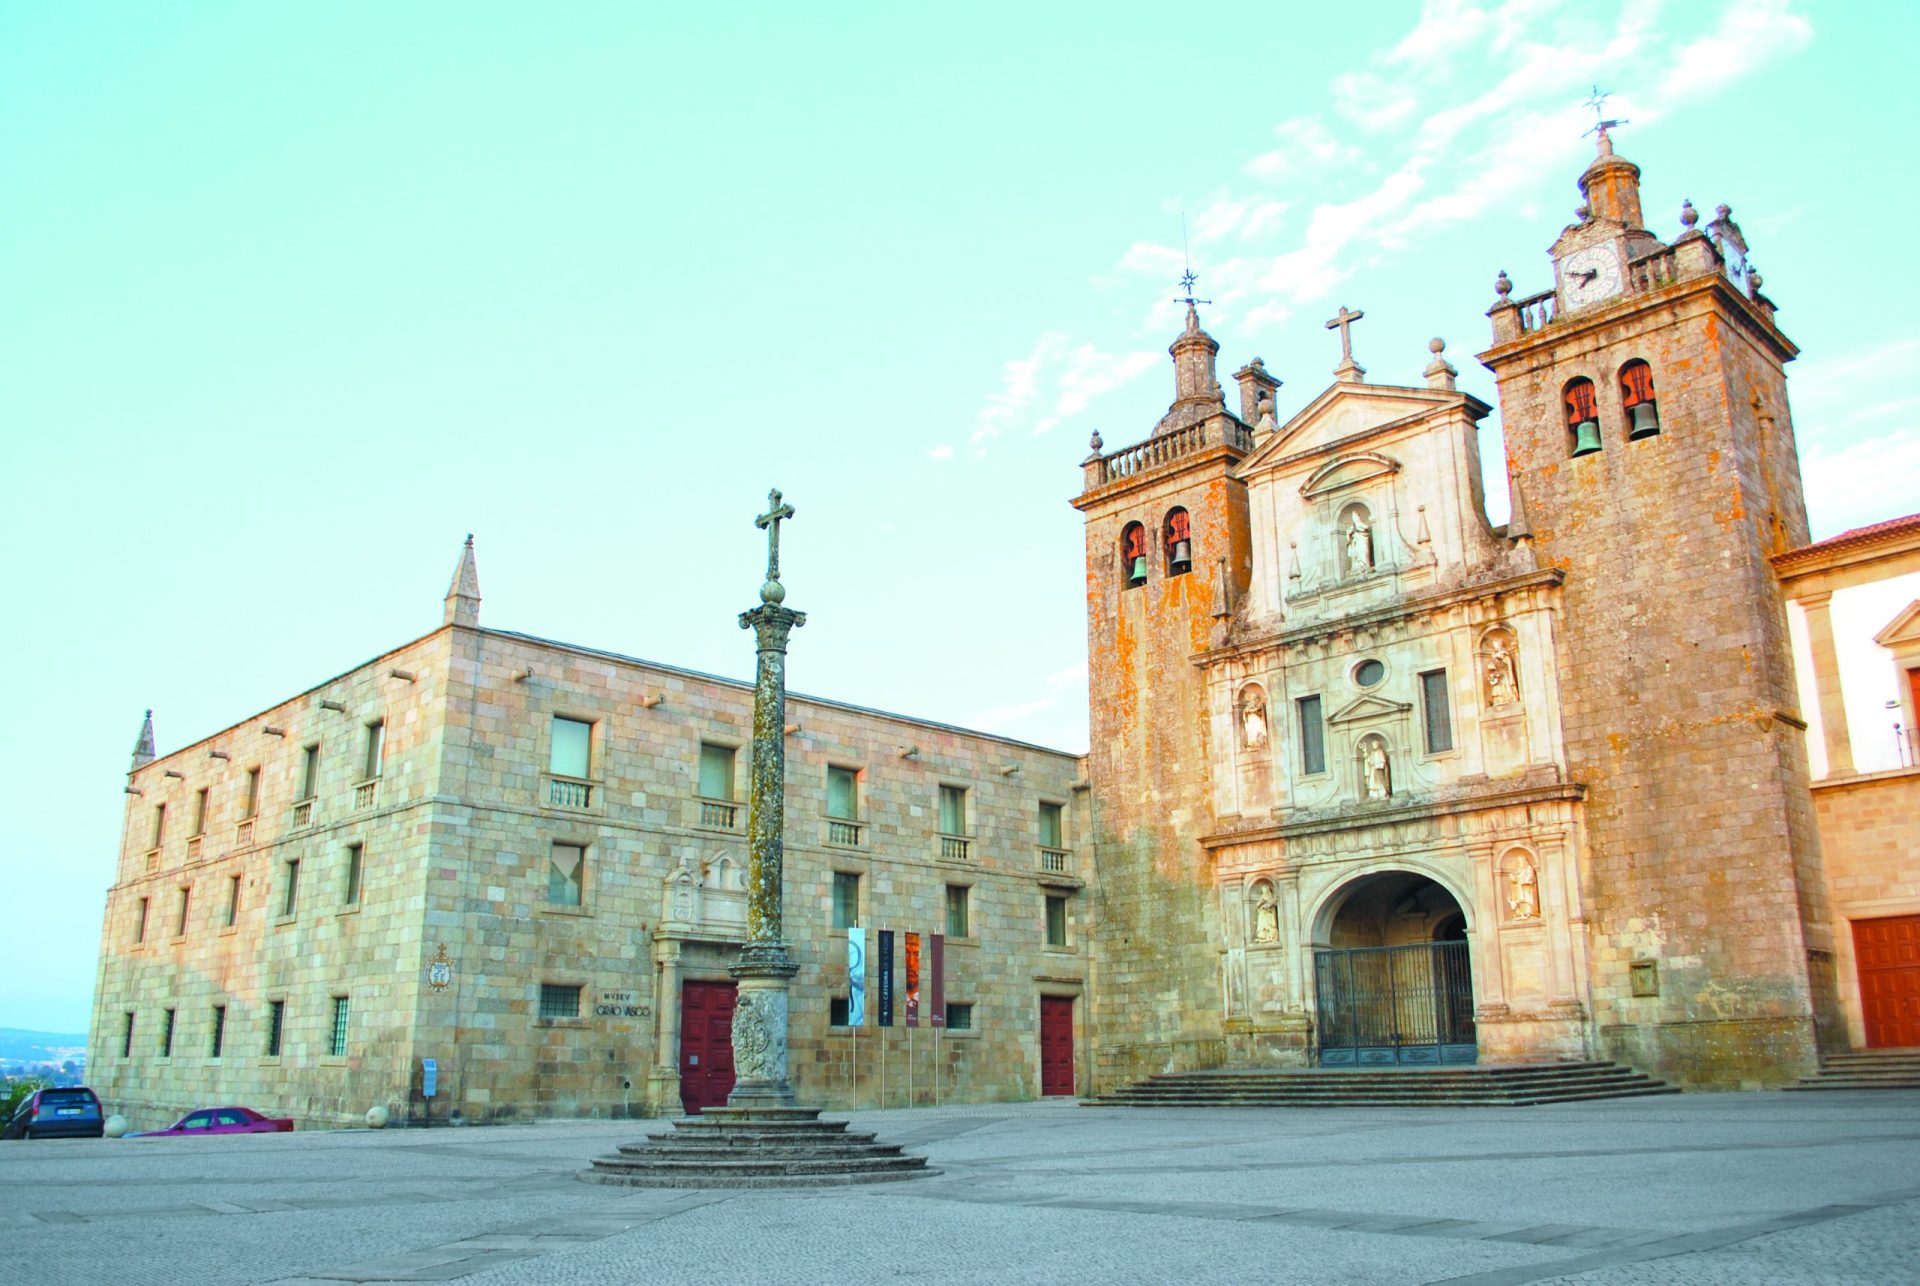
1523	889
1266	914
1359	544
1378	773
1253	718
1503	678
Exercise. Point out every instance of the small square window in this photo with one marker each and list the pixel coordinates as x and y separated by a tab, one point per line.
716	772
337	1040
566	874
572	754
846	899
276	1026
1056	920
559	1000
837	1011
843	796
957	897
350	895
960	1016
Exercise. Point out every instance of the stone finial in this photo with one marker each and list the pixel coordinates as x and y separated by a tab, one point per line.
1095	445
1503	285
143	745
1753	277
1423	534
463	594
1193	352
1440	372
1583	212
1517	526
1723	212
1688	215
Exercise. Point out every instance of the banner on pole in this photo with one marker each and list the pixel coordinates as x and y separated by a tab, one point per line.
913	980
885	975
856	977
937	979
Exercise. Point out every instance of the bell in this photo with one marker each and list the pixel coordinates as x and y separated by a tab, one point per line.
1139	574
1182	554
1586	438
1646	422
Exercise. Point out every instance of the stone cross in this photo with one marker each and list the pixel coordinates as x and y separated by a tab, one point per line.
1343	322
770	523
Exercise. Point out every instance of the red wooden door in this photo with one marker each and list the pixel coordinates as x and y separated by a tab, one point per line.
1887	954
706	1045
1056	1044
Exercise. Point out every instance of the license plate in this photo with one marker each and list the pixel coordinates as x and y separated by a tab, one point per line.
68	1111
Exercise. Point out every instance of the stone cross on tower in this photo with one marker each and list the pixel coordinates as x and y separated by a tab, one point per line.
1348	369
764	970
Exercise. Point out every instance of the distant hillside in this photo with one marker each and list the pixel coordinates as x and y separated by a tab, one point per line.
20	1046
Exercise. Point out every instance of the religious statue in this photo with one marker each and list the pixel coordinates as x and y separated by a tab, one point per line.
1378	784
1503	683
1266	914
1523	891
1359	544
1253	719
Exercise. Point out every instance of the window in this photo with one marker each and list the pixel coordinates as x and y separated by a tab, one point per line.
233	899
1636	395
957	911
166	1033
292	900
337	1040
376	746
843	797
309	772
1179	538
1133	556
253	793
557	1000
1433	696
953	810
1056	920
572	748
180	924
837	1009
159	825
219	1031
350	895
1313	737
276	1024
1369	673
846	899
1583	417
1052	831
200	811
566	874
126	1037
716	771
140	922
960	1016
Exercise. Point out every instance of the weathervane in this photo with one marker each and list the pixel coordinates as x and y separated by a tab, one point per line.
1599	105
1187	278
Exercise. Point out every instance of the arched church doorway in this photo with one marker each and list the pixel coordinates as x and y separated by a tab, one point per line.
1393	983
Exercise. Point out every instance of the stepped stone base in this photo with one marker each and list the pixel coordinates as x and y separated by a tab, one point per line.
1515	1086
1867	1069
756	1147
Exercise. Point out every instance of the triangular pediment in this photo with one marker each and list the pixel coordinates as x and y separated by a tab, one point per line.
1350	412
1368	707
1903	629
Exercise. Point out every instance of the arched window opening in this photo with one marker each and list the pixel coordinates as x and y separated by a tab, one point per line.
1133	556
1636	394
1179	538
1583	418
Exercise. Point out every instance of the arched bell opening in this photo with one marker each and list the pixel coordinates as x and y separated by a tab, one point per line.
1583	416
1393	983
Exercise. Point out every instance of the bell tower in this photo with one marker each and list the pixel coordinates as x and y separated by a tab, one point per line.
1168	556
1643	399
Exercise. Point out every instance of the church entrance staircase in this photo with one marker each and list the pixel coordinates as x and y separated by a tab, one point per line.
1515	1086
1871	1069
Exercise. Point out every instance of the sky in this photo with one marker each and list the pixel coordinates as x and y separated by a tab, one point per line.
293	297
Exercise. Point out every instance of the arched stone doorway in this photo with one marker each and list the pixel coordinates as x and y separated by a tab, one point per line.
1393	983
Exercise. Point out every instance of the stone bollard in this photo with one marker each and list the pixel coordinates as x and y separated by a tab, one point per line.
377	1117
116	1125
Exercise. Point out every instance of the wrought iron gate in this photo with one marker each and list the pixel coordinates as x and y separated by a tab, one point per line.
1385	1005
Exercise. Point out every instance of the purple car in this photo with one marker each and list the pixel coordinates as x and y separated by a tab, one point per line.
221	1120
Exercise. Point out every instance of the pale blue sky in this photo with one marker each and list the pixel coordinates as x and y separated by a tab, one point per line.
293	297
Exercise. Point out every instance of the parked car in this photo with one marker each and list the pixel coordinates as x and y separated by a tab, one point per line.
72	1112
221	1120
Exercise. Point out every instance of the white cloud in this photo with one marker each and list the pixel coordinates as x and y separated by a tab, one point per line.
942	452
1058	375
1867	481
1305	144
1748	36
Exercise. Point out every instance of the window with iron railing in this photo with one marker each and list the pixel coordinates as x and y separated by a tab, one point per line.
559	1000
1053	838
337	1038
717	807
843	806
953	822
570	764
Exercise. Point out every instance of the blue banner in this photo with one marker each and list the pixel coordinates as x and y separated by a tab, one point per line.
856	977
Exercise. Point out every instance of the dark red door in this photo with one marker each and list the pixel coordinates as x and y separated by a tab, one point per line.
1056	1044
1887	953
706	1045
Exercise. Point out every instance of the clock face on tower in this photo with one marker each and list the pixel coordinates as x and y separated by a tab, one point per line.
1589	275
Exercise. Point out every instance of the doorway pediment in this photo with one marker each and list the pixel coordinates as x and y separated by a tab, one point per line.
1361	709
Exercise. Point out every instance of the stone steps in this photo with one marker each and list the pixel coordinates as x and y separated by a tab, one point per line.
1867	1069
1519	1086
756	1148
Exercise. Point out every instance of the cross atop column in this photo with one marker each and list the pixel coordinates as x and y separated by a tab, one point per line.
1343	322
773	591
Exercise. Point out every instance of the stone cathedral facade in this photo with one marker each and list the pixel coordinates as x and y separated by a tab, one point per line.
1377	782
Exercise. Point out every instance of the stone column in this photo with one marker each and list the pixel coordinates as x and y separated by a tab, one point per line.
764	970
663	1084
1826	683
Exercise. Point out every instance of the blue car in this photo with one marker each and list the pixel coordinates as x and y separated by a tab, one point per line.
72	1113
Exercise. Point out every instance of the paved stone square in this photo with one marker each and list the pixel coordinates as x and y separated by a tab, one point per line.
1694	1188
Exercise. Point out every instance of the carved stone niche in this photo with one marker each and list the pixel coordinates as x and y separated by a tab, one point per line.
1250	718
1520	887
1263	914
1499	655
